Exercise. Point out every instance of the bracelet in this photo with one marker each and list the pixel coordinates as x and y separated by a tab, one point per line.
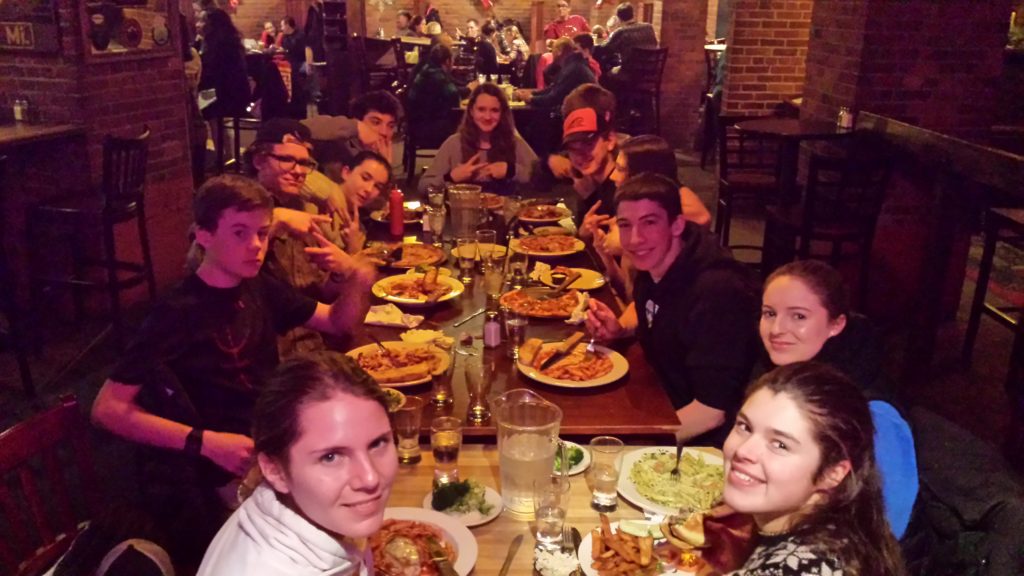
194	442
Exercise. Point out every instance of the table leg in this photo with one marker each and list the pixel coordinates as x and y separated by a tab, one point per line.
789	159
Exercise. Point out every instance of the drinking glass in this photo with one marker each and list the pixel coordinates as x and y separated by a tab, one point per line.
518	269
435	222
485	243
504	78
407	430
515	332
481	78
494	277
550	505
466	248
445	441
603	474
435	196
479	374
511	207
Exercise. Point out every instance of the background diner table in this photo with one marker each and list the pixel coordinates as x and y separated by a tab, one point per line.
635	407
480	462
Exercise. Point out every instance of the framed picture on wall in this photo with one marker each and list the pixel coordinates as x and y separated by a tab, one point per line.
29	26
130	29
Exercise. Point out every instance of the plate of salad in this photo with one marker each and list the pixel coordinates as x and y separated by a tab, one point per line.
468	501
579	458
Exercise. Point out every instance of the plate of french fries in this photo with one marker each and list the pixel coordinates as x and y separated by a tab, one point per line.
630	548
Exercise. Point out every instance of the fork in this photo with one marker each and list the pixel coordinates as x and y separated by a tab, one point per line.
590	352
679	452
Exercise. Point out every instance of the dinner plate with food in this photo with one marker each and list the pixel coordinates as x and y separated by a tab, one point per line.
401	546
588	280
412	212
541	213
491	201
577	368
476	249
404	255
404	364
468	501
646	480
633	548
579	458
530	304
418	288
547	246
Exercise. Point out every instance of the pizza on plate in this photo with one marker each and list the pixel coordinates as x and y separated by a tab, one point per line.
491	201
547	212
408	255
548	244
400	364
522	302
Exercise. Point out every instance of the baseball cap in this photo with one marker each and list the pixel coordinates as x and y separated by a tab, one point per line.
581	124
275	130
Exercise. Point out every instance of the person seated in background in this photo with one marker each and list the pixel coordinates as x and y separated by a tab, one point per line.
435	33
487	51
801	462
693	312
565	24
337	139
418	27
600	34
315	413
472	32
518	48
403	24
636	155
486	150
630	34
268	38
185	386
431	95
573	71
304	251
805	315
546	73
585	44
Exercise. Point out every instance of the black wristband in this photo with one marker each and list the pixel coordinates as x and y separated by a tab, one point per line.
194	442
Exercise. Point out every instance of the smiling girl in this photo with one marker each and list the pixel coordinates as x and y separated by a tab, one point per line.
487	149
324	446
800	460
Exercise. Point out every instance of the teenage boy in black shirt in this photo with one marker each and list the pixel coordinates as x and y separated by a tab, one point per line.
188	382
694	310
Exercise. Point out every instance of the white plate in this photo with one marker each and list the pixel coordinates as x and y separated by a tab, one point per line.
380	290
441	355
578	246
497	248
588	280
629	491
473	518
582	465
587	544
454	532
620	366
563	213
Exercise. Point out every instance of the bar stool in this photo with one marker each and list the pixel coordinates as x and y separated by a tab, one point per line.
16	336
1000	224
119	199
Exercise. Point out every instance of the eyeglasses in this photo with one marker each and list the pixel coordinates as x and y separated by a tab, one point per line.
290	162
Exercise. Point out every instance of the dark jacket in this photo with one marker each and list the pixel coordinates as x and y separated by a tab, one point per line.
486	57
621	41
432	96
573	72
224	71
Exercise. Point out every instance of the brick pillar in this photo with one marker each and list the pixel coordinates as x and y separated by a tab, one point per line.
767	53
683	80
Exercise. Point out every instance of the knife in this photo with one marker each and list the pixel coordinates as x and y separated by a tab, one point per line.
437	554
563	350
468	318
512	549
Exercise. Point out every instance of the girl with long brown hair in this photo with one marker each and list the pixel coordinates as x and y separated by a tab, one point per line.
486	149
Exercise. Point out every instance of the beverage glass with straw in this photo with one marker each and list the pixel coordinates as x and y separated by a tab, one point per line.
445	442
466	251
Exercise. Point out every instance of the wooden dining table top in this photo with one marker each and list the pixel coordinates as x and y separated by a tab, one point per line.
22	133
636	406
480	462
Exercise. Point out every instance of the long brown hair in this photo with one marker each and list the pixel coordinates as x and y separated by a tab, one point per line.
823	280
850	521
503	139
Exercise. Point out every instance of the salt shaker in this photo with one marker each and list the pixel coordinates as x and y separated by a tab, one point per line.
492	330
20	110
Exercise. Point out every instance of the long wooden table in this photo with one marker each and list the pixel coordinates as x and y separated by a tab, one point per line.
635	407
480	462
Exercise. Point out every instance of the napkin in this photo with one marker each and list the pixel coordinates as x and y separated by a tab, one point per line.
579	313
567	223
539	269
435	337
391	315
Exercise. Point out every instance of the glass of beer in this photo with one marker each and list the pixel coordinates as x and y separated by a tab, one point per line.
445	441
603	474
515	331
407	430
466	250
479	374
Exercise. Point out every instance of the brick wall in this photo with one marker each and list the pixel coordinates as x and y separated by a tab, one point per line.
766	56
684	77
107	97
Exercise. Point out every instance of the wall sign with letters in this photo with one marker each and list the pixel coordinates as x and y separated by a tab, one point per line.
29	26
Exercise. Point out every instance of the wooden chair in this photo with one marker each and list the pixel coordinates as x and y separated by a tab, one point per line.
747	170
47	487
16	336
119	199
643	68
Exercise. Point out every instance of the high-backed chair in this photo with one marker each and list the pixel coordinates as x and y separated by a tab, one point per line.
85	215
747	170
17	339
47	488
643	68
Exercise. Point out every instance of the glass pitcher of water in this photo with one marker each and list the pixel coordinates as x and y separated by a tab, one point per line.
465	209
527	426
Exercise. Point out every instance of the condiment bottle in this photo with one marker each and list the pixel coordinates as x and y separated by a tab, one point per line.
492	330
397	217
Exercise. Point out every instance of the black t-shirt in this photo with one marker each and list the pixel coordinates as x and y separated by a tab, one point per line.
698	327
605	192
203	352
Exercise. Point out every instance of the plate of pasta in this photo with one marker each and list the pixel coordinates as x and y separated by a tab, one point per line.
401	542
418	289
578	369
647	483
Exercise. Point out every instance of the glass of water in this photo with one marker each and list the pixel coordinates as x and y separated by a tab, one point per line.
466	250
494	276
407	430
435	222
550	505
515	331
518	269
603	474
511	207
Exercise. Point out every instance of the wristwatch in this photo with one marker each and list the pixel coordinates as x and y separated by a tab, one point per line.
194	442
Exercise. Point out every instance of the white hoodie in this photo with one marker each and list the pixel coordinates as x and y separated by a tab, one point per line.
266	538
